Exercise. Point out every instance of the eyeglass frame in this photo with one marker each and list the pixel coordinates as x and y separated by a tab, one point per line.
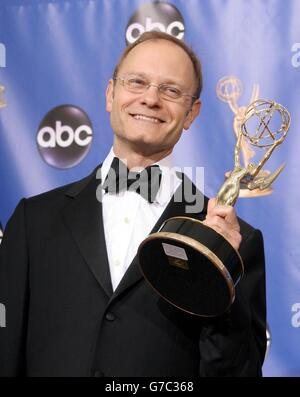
166	97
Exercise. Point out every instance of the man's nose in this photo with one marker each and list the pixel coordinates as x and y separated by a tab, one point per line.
151	96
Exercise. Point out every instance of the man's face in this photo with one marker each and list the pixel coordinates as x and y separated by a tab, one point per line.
145	121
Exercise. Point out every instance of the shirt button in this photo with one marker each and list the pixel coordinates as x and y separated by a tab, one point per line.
126	220
117	262
110	316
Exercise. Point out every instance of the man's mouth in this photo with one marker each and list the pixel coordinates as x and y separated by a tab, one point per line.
149	119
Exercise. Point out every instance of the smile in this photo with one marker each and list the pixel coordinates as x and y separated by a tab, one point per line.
147	118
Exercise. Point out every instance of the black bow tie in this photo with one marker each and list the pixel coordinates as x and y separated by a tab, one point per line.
146	182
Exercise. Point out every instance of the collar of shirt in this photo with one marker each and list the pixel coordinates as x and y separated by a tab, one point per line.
169	182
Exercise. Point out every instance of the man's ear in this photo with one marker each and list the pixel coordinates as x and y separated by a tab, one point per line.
192	114
109	94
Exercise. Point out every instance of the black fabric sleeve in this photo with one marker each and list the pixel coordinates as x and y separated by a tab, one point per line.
14	294
234	344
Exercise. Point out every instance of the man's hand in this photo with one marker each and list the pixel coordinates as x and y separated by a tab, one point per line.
223	219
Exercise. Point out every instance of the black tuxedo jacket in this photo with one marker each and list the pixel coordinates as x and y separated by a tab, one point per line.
63	319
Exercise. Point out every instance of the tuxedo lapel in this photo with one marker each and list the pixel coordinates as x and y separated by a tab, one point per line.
83	217
174	208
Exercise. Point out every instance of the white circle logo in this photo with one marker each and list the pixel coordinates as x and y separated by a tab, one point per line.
64	136
157	15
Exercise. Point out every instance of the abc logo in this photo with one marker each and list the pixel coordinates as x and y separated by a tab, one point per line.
159	16
64	136
54	136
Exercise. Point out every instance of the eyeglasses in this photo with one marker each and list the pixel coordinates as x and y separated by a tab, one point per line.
138	85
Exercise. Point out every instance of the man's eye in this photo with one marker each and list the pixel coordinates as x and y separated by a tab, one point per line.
137	83
170	90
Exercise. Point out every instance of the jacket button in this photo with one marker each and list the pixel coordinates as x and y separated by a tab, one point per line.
110	316
98	374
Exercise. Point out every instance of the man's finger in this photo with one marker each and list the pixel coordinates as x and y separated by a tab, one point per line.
224	211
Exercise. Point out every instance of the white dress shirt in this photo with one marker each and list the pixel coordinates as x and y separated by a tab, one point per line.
128	218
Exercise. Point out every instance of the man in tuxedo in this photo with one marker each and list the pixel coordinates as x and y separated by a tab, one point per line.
76	302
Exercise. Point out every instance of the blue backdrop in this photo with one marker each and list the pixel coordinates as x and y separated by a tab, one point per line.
55	53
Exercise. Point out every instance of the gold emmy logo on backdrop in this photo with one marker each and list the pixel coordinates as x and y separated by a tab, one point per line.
188	263
2	101
229	89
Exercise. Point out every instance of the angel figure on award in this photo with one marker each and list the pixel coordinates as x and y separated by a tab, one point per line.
262	138
229	89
